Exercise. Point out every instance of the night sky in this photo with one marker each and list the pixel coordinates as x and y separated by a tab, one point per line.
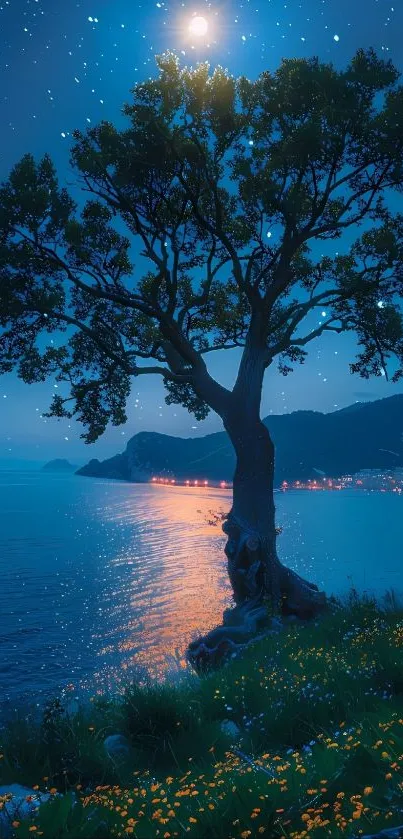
67	65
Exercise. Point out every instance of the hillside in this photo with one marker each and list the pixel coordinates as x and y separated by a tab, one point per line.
364	436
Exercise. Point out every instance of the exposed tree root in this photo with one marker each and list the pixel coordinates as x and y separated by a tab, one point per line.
264	592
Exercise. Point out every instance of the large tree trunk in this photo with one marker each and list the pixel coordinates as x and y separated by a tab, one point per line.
253	565
263	587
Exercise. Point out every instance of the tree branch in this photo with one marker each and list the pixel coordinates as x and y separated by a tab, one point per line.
300	342
132	300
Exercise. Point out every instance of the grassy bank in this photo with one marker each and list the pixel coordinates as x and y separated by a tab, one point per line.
315	748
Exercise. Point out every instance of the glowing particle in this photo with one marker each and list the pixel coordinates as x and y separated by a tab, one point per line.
336	38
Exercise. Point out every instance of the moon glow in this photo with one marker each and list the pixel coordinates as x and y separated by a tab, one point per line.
198	26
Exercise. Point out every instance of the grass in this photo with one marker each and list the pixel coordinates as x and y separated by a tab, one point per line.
319	752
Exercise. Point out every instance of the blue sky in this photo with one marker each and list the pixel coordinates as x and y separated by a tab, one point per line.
68	65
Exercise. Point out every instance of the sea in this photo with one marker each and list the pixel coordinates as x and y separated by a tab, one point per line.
103	583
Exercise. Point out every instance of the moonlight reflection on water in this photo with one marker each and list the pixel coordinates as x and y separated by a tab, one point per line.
104	581
178	584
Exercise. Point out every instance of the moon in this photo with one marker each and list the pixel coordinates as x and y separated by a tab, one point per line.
198	26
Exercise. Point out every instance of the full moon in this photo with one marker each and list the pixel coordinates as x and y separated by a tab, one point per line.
198	26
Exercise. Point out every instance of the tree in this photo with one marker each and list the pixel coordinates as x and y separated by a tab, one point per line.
206	166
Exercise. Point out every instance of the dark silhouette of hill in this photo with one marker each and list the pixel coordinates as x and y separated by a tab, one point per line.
59	465
366	435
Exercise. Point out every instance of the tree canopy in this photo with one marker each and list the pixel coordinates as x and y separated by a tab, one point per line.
206	167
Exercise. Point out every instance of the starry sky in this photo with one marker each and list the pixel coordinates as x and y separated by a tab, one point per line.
67	65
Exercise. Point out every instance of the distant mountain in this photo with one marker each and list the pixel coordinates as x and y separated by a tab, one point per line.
366	435
59	465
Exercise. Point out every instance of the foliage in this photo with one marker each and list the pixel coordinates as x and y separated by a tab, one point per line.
222	186
319	751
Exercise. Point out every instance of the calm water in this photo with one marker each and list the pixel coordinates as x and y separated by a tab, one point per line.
102	579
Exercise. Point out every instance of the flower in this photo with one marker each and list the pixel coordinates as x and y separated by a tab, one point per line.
15	824
368	790
53	790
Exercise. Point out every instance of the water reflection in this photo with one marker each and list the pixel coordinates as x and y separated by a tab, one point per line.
177	586
102	580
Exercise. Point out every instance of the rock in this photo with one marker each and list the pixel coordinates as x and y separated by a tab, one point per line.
18	807
59	465
230	728
117	745
388	833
